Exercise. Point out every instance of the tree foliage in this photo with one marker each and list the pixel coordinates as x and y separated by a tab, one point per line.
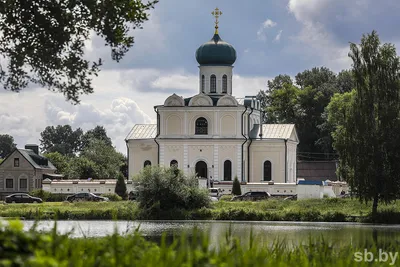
368	123
61	139
60	161
6	145
107	160
120	187
83	168
99	133
303	103
236	189
44	41
163	189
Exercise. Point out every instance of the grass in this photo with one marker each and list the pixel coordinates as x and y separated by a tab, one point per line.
330	210
33	249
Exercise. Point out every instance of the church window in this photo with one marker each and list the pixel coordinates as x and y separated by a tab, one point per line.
224	84
213	84
202	83
173	163
147	163
267	171
201	126
227	170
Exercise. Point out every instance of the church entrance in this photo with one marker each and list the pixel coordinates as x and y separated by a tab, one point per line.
201	169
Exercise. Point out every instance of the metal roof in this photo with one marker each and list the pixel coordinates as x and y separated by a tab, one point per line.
278	131
37	161
142	131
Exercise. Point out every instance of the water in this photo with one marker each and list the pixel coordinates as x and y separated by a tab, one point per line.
288	232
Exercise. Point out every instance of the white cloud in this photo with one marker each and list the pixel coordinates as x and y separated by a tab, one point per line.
265	25
278	36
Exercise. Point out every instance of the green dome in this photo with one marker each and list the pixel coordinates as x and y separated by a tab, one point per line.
216	52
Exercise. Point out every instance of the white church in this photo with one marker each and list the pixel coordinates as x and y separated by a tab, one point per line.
214	134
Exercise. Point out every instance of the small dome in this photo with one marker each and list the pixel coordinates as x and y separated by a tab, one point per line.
216	52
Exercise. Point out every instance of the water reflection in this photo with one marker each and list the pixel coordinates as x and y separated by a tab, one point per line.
293	233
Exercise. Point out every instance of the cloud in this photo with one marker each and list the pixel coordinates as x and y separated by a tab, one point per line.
261	34
278	36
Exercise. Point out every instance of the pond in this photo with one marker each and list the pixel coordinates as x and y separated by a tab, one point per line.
292	233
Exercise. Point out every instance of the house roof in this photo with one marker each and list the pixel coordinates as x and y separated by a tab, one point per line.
142	131
37	161
279	131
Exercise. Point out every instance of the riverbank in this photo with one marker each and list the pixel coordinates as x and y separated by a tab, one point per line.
312	210
194	248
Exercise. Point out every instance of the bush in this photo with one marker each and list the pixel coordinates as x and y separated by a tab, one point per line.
120	187
47	196
112	197
236	190
164	189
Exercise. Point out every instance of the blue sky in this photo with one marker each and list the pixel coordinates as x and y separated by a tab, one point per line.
271	37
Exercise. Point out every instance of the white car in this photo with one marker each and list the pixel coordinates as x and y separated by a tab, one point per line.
215	192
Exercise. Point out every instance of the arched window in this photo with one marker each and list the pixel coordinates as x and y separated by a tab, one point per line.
201	126
213	84
224	84
173	163
267	170
227	170
147	163
203	83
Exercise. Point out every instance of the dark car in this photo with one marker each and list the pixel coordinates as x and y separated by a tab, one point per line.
22	198
86	197
252	196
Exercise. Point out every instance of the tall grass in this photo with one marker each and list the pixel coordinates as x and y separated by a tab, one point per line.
36	249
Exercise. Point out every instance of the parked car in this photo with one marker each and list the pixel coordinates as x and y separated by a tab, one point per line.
215	192
252	196
86	197
213	199
22	198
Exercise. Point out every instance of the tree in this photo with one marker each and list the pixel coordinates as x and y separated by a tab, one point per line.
105	157
60	161
61	139
6	145
120	187
236	190
44	41
99	132
83	168
367	136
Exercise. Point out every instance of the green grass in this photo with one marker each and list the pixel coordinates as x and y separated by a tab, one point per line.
331	210
36	249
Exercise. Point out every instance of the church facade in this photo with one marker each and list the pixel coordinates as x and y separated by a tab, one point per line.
214	134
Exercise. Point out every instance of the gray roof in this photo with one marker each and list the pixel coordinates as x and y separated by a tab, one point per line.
143	131
278	131
37	161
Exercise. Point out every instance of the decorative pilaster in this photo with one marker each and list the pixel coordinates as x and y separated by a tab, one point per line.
162	149
216	163
239	162
185	158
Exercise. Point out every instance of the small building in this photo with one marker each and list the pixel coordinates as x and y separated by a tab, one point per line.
23	170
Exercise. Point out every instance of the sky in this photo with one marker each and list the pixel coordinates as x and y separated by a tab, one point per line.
271	37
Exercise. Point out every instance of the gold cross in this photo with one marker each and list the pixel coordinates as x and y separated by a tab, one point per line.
216	13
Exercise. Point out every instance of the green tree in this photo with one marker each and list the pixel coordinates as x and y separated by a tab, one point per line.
83	168
61	139
236	189
105	157
120	187
367	136
44	41
99	132
6	145
162	190
60	161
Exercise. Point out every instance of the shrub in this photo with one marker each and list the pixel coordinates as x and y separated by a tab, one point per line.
120	186
48	196
112	197
162	189
236	190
